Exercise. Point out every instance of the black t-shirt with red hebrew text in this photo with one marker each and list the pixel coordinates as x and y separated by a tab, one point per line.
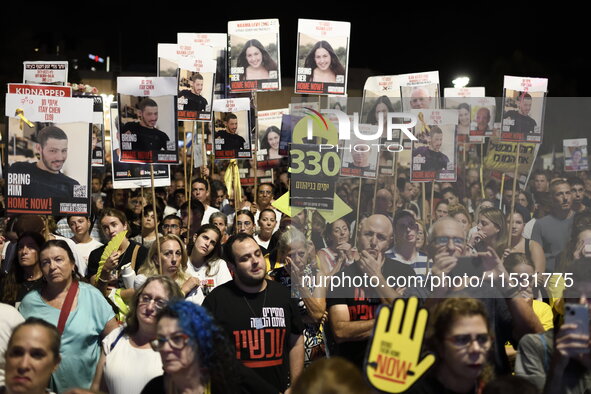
259	326
362	303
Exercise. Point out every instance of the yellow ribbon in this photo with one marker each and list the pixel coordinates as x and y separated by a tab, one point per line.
21	114
424	126
232	181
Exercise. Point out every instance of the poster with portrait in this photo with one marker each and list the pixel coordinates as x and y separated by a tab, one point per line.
269	137
148	119
232	137
419	90
434	154
129	175
97	147
196	84
219	44
575	154
322	58
523	109
381	95
465	101
254	55
48	164
46	72
359	157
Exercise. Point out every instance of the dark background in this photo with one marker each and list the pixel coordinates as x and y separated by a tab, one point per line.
483	41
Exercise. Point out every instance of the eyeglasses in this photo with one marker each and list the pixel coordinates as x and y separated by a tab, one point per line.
159	303
445	240
176	341
465	340
266	192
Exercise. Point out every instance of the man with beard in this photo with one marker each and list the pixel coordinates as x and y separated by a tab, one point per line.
433	159
192	100
228	139
519	121
259	316
45	178
143	136
352	317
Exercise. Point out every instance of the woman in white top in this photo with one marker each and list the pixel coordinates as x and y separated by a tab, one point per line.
205	265
127	361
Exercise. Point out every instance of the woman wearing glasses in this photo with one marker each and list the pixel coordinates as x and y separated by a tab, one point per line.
459	337
127	361
196	357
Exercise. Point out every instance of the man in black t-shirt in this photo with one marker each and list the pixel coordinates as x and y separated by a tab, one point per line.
228	139
434	160
260	317
143	136
520	121
44	178
352	308
192	100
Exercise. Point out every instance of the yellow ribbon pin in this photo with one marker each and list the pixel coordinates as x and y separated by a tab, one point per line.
424	127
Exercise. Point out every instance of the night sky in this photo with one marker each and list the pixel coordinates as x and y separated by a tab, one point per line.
484	42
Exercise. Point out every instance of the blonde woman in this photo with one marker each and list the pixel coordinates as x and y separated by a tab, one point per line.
173	259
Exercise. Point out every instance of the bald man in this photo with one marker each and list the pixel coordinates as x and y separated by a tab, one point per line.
352	318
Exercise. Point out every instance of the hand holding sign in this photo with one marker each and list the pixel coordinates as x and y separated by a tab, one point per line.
393	364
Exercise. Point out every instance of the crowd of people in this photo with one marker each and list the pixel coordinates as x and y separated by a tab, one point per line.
196	292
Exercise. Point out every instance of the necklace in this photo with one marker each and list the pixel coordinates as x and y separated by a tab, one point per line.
258	321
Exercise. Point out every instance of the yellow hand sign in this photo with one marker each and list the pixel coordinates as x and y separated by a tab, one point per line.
393	365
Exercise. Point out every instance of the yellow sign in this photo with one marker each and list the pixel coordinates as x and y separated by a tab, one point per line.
340	208
393	364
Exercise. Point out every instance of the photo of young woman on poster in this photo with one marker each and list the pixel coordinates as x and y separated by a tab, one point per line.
256	61
324	63
270	142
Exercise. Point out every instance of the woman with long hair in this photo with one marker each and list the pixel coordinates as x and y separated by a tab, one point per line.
270	142
206	268
255	60
463	127
532	250
459	336
380	109
24	273
171	263
491	231
129	345
88	315
324	63
196	355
